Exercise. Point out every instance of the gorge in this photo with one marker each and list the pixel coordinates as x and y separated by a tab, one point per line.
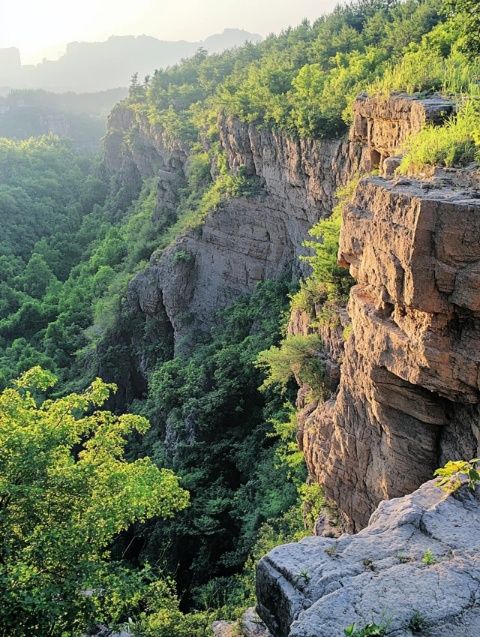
273	267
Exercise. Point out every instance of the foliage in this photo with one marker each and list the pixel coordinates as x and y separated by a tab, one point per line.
457	143
301	81
458	472
468	14
214	428
417	622
328	279
434	64
369	630
66	491
44	187
428	558
297	356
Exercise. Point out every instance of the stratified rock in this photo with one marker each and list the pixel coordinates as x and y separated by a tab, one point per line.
319	586
135	150
411	366
245	240
301	175
382	124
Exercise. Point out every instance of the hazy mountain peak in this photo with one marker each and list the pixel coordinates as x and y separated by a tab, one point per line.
114	61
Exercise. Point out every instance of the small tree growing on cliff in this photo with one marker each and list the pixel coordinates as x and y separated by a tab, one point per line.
66	491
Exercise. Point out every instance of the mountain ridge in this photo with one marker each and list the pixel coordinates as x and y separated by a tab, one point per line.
115	60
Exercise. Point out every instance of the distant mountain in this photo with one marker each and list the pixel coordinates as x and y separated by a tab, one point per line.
80	117
98	66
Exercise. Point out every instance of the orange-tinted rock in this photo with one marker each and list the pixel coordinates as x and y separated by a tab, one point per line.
411	366
381	125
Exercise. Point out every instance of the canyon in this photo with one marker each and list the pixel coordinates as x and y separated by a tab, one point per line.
404	385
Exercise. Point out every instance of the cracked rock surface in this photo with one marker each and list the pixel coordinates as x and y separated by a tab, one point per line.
319	586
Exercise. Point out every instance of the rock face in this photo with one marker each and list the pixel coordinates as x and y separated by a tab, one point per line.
410	372
245	241
300	176
136	150
381	125
415	568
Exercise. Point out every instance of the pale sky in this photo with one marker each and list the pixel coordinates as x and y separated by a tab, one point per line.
42	27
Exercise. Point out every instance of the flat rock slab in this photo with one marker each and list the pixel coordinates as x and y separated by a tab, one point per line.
318	587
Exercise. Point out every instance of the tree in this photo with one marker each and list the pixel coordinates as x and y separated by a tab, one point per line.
66	491
468	12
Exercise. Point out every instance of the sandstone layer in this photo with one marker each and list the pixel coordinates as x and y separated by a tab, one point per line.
408	398
319	586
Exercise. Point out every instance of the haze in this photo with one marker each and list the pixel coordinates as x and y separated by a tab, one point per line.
41	28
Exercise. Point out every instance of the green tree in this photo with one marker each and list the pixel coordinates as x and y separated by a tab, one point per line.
468	14
66	491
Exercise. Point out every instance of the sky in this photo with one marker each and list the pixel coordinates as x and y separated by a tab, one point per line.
41	28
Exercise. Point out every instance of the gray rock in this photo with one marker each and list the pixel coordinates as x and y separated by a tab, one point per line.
249	625
319	586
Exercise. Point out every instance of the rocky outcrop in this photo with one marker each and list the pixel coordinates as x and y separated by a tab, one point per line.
414	569
136	150
409	394
246	240
382	124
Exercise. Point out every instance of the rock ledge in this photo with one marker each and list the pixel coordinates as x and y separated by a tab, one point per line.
319	586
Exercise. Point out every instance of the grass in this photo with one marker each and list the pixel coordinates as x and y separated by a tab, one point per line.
455	144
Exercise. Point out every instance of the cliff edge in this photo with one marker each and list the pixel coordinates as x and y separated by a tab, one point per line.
414	569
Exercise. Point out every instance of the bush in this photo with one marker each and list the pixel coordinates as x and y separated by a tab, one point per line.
297	356
457	143
66	492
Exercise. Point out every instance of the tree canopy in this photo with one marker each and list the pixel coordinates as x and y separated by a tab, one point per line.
66	491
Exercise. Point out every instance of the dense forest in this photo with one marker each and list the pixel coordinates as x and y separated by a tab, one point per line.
170	563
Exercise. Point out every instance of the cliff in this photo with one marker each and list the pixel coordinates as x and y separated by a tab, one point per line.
409	370
404	386
245	240
408	395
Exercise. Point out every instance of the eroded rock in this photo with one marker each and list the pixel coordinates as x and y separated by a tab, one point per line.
412	363
319	586
382	124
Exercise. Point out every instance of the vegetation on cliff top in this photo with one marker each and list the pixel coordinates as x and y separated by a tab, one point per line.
302	81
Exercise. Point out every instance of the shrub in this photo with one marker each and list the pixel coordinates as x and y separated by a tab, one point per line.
66	492
296	356
428	558
455	473
369	630
329	283
455	144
